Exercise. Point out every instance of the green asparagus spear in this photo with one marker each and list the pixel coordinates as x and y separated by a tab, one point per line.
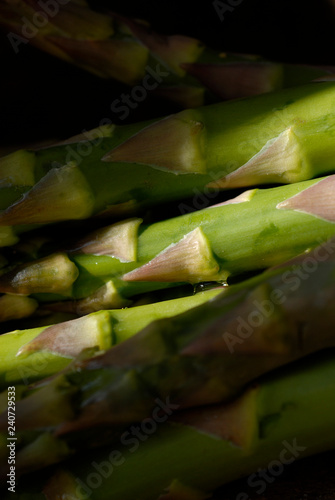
283	418
258	229
202	356
33	354
281	137
176	67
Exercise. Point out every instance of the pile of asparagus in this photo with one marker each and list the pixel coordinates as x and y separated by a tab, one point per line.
180	332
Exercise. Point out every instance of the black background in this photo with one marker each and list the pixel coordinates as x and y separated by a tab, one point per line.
46	99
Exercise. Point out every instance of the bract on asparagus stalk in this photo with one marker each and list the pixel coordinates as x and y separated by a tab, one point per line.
280	419
192	359
35	353
257	229
280	137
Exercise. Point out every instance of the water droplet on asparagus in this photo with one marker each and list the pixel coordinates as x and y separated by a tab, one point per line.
208	285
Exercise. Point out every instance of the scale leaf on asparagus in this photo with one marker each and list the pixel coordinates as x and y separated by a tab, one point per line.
279	420
192	359
259	229
281	137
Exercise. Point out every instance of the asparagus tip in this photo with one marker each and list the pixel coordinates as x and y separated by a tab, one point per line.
317	200
171	144
62	194
190	259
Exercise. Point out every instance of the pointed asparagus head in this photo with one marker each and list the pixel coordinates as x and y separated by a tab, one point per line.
280	160
118	240
173	144
66	21
71	337
318	200
173	50
235	421
76	19
17	169
16	307
52	274
240	198
105	297
62	194
123	60
90	135
190	260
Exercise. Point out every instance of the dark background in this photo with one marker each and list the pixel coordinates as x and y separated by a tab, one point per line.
44	98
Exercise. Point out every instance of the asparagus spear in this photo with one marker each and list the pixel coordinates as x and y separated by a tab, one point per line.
177	67
258	229
283	418
33	354
8	236
16	307
200	357
281	137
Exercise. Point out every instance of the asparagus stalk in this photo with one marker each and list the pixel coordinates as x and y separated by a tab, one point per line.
281	137
192	359
257	229
33	354
283	418
176	67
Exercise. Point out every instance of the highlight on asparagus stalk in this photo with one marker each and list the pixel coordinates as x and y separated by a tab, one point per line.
176	67
190	360
258	229
281	137
36	353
